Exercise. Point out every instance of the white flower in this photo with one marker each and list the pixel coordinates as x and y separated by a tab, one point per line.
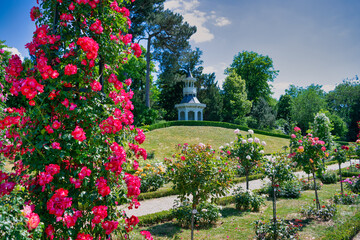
227	144
201	145
231	142
261	151
219	215
236	131
221	147
204	210
248	157
250	131
250	140
257	140
243	141
263	143
194	211
220	207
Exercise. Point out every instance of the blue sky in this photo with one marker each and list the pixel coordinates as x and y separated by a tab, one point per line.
310	41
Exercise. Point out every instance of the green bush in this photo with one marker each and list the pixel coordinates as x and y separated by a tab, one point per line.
246	200
346	199
265	230
207	214
152	177
326	212
309	185
289	189
328	177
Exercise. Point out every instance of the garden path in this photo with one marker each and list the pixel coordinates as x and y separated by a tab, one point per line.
166	203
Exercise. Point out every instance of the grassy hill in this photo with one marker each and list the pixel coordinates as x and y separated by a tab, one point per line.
163	141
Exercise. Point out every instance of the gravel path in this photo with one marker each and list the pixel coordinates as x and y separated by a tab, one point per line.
166	203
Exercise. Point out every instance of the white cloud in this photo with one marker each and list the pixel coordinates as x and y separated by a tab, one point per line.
188	8
222	21
14	51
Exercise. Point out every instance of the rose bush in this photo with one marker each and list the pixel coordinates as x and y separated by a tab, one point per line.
67	124
308	152
248	151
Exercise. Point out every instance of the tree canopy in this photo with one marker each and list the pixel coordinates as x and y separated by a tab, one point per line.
257	71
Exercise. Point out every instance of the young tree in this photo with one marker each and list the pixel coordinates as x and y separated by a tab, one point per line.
69	123
257	71
340	157
264	114
248	151
278	169
308	152
236	105
198	172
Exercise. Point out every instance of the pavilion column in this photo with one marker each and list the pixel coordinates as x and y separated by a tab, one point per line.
186	114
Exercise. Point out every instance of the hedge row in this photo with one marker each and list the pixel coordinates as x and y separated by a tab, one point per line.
346	230
155	218
220	124
157	194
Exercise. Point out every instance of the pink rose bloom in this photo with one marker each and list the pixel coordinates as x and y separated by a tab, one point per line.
78	134
293	136
297	129
70	69
56	145
33	222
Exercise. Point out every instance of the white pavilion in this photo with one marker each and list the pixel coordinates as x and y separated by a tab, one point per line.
190	108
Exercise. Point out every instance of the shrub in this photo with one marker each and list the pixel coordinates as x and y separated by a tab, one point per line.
206	214
289	189
152	177
309	185
353	184
328	177
346	199
326	212
265	230
246	200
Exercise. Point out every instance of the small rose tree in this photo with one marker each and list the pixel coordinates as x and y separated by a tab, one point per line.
248	151
197	171
278	169
68	120
340	156
308	152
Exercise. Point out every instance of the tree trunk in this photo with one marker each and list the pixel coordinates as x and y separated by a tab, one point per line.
274	212
316	194
193	210
341	184
147	87
247	179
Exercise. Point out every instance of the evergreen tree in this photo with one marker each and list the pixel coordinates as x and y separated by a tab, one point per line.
235	103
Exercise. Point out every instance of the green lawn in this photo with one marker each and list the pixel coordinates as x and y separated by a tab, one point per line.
163	141
236	224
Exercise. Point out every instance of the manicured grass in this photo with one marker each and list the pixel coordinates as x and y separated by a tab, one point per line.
164	141
236	224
